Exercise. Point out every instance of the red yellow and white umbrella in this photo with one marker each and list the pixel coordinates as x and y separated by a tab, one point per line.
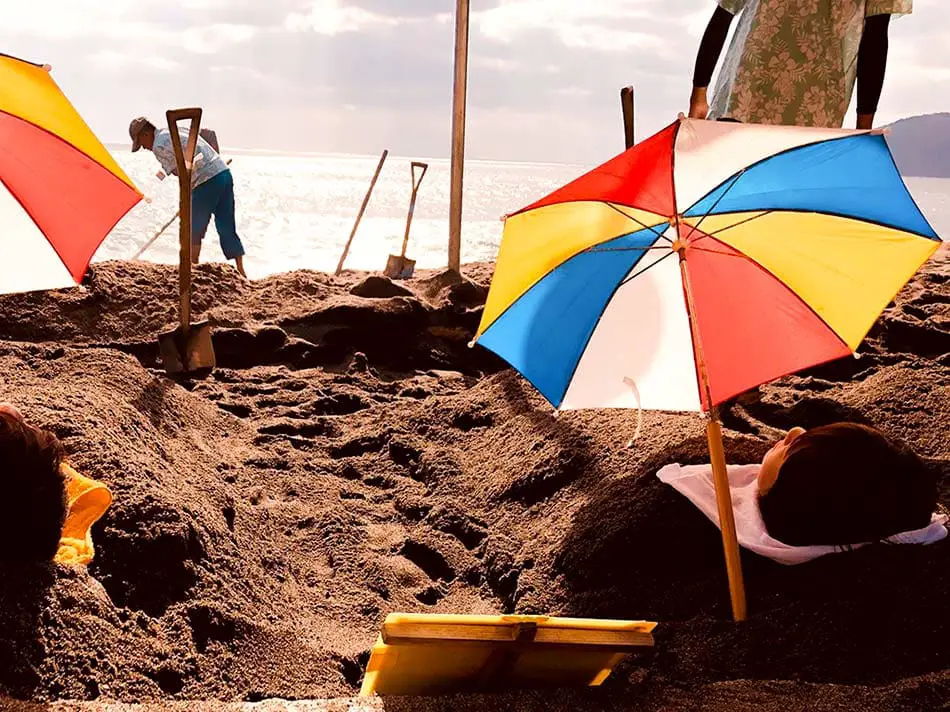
61	192
707	260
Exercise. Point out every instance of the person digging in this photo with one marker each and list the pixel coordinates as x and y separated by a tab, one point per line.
212	187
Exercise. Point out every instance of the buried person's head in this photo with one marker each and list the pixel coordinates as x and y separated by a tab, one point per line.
34	488
843	484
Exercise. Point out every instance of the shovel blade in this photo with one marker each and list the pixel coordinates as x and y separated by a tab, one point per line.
187	353
398	267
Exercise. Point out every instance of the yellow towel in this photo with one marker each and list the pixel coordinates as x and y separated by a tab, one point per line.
88	501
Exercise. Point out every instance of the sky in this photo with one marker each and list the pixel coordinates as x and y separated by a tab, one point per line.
358	76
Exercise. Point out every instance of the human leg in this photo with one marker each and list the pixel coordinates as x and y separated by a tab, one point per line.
225	223
203	199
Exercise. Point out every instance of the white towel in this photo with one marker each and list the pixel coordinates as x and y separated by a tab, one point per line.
695	482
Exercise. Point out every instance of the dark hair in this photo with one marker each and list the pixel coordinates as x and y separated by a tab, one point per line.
35	489
846	484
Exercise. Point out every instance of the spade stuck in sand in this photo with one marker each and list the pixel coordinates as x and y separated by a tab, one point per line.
399	266
187	350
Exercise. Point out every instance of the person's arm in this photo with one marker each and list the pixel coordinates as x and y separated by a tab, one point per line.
714	39
872	64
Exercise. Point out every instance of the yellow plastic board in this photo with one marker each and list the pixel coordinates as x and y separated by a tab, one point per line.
421	654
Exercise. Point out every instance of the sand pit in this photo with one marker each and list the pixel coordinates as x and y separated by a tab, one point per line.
352	457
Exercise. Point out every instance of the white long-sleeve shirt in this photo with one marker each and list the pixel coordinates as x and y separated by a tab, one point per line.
205	168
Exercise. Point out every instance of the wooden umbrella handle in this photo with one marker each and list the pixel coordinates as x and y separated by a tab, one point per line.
184	158
727	520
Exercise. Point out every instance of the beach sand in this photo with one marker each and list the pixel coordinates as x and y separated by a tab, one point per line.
351	457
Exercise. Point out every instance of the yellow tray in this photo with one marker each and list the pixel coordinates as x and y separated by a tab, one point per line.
421	654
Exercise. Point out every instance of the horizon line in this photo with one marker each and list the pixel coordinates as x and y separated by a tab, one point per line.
126	147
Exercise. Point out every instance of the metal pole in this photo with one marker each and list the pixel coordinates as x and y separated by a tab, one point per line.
458	134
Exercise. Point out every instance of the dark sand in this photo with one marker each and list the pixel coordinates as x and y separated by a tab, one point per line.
352	457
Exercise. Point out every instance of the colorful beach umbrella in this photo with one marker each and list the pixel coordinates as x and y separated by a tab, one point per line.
61	192
707	260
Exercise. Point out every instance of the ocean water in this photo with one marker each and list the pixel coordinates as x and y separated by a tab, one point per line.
296	211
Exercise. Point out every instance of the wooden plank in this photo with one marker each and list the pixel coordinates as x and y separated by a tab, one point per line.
543	631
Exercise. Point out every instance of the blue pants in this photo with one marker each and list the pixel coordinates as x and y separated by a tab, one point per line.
216	197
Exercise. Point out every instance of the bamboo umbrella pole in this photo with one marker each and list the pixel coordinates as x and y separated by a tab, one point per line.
727	520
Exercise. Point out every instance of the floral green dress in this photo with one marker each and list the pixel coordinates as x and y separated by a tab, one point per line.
794	62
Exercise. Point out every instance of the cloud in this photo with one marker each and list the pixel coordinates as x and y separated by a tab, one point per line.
362	75
603	25
332	17
213	38
108	60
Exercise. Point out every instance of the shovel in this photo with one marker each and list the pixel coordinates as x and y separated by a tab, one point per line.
398	266
187	350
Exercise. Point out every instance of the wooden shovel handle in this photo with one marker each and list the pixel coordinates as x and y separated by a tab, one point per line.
417	182
184	158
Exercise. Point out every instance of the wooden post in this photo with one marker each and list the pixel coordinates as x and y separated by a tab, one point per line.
727	520
359	215
458	134
626	105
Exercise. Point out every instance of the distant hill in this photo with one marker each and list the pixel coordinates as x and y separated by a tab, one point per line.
921	145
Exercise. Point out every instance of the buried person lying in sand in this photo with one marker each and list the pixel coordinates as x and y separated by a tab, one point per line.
53	507
828	489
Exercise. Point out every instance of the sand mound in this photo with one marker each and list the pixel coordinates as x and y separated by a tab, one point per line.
352	457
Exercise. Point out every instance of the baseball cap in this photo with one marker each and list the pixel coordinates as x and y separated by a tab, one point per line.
135	130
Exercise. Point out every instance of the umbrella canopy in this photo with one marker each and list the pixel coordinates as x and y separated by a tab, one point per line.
707	260
61	192
790	240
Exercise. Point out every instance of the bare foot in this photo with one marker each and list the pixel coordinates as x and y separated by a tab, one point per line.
239	263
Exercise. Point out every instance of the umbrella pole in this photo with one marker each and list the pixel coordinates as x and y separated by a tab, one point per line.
727	520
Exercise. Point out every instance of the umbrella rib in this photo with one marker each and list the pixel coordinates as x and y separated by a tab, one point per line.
20	59
716	252
625	249
827	213
638	222
758	265
645	269
695	227
729	227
